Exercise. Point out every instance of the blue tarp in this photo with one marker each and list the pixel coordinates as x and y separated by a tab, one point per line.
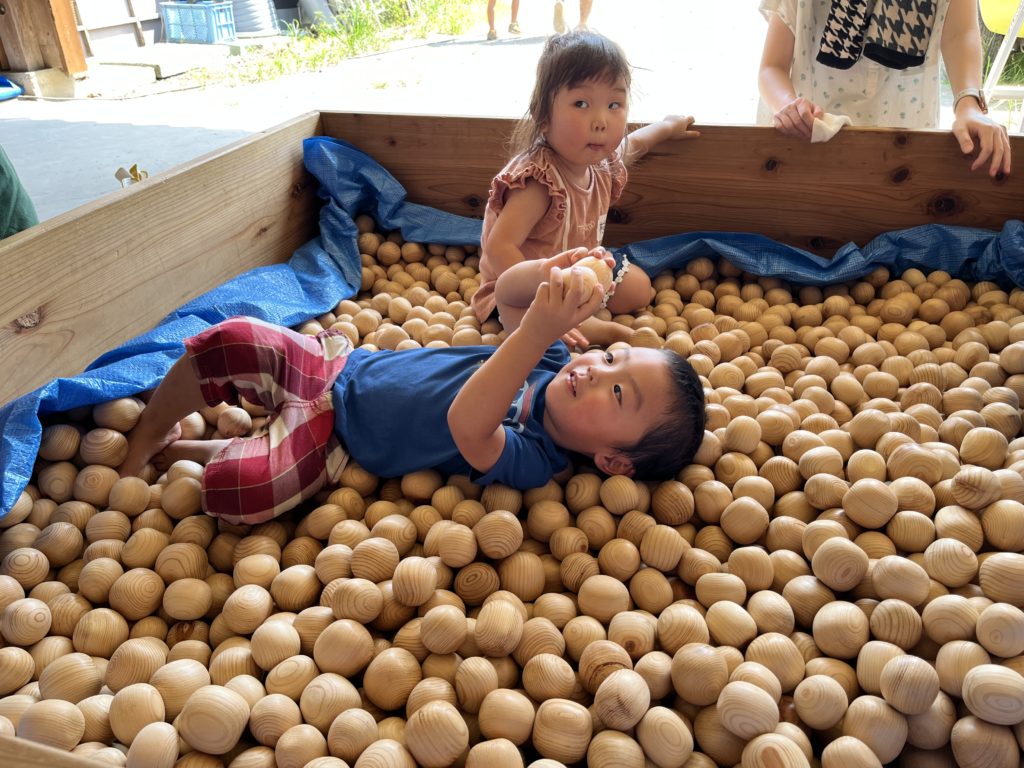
327	269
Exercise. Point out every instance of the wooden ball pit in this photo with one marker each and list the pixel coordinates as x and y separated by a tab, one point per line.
856	502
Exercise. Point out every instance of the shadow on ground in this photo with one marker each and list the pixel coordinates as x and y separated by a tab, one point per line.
39	151
501	42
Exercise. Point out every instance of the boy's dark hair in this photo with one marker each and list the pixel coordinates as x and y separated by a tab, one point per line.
567	61
672	444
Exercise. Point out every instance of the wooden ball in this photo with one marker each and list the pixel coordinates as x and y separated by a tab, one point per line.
390	678
747	711
841	629
26	621
357	599
602	597
187	599
16	669
176	681
506	714
96	710
562	730
665	739
93	484
598	660
872	721
298	746
272	716
1000	630
499	628
121	414
699	674
497	753
98	577
104	446
54	722
385	753
72	678
995	694
247	608
134	661
213	719
909	684
60	542
133	708
436	734
414	581
977	742
870	503
773	750
59	442
155	746
350	734
840	564
848	752
781	655
611	748
820	701
25	565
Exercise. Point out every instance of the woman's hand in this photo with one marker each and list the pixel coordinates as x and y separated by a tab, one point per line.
797	118
972	123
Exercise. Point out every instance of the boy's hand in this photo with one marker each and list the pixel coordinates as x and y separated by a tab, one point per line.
551	316
680	125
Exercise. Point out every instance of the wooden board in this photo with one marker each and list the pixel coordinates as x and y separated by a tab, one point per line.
27	754
18	35
64	29
732	179
82	283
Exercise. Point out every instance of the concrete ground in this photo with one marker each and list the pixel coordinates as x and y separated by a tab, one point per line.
67	152
691	58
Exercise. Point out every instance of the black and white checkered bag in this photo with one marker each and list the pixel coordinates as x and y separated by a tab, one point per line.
895	33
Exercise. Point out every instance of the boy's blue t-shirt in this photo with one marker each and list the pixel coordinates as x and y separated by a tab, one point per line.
391	413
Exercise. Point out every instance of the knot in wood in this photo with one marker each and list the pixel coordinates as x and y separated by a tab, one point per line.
617	216
772	165
900	175
29	319
945	205
901	140
473	201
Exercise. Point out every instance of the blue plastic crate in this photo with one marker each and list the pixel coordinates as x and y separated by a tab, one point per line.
203	22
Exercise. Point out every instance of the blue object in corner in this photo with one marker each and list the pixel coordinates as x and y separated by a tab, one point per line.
9	90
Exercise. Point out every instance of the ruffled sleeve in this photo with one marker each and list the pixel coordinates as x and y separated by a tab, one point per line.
535	164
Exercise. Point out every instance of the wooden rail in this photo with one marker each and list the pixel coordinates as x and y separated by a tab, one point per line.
20	753
732	179
80	284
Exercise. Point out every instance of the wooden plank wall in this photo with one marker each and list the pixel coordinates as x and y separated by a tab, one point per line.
80	284
732	179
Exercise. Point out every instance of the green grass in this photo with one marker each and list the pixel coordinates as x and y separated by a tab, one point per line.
361	32
1013	73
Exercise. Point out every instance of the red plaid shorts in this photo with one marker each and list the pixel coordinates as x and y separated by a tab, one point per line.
257	478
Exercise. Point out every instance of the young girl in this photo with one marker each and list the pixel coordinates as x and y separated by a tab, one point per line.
568	169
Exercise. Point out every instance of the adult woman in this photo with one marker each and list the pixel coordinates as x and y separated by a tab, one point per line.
796	87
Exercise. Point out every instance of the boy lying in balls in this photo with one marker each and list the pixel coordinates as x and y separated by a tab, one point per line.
499	414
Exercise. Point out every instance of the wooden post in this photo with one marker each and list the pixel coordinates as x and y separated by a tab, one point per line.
18	36
4	63
57	35
40	34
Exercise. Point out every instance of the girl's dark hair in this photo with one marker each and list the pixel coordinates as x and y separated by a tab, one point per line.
567	61
671	445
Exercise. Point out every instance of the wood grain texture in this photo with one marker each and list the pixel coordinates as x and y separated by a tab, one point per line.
732	179
28	754
80	284
65	33
18	35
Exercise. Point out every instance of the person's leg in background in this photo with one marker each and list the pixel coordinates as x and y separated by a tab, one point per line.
585	6
16	209
559	18
513	28
492	33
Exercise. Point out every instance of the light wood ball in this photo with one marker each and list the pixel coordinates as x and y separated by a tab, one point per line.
562	730
747	711
436	734
26	621
848	752
155	746
213	719
54	723
507	714
133	708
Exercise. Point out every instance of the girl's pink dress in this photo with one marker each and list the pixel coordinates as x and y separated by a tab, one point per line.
576	217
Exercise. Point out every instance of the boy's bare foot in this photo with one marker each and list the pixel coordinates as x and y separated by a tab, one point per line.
142	447
199	451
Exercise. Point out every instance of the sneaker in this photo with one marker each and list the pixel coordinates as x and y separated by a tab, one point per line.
492	35
559	17
513	28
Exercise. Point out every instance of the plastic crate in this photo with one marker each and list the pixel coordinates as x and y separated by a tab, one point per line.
204	22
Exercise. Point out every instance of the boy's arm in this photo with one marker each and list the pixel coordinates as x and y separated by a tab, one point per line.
475	417
643	140
523	209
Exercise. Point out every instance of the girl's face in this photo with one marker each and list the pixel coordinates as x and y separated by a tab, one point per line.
587	121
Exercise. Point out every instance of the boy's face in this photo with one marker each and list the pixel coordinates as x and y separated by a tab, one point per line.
605	399
588	121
